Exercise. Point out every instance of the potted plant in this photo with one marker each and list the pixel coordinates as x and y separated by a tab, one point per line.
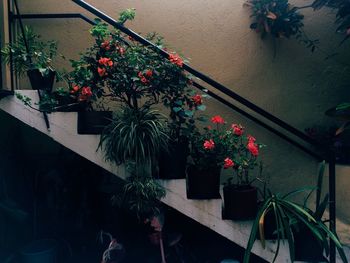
30	55
183	103
208	151
306	233
240	196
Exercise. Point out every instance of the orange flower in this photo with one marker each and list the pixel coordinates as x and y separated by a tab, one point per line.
217	119
101	71
149	73
176	59
209	144
106	62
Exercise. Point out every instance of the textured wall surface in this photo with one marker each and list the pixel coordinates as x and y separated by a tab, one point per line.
295	85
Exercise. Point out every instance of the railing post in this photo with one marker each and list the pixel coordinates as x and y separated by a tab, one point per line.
332	203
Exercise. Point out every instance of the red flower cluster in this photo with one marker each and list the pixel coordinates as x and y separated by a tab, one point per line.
106	45
217	119
148	74
252	146
105	62
237	129
228	163
85	92
121	50
209	144
197	99
176	59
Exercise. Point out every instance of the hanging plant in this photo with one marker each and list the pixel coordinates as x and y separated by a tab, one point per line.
279	19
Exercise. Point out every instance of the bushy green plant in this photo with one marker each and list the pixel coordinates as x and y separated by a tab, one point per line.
40	53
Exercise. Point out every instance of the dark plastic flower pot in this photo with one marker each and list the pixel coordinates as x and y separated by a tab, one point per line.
240	202
172	164
40	251
203	184
93	122
307	248
40	81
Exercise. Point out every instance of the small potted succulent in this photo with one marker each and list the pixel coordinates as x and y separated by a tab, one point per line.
208	151
240	196
31	55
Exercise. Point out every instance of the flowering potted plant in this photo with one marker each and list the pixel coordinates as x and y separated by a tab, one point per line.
208	151
240	197
33	56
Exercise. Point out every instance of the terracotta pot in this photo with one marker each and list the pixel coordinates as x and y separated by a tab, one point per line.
240	202
41	82
172	164
203	184
93	122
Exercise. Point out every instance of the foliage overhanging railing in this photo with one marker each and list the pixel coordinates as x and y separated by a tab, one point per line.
329	156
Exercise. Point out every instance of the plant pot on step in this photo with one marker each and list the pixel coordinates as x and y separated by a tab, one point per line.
41	81
172	164
93	122
306	246
40	251
240	202
203	184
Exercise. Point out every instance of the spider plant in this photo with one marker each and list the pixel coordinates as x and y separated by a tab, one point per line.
135	135
290	216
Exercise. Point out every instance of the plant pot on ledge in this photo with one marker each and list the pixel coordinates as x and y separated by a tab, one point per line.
240	202
41	81
172	164
203	184
93	122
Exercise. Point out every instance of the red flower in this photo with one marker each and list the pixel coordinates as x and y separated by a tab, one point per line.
144	80
253	148
208	145
86	91
105	45
121	50
149	73
217	119
131	38
101	71
197	99
228	163
251	139
237	129
75	89
175	59
106	62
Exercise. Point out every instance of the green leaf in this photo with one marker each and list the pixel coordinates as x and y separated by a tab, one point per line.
201	107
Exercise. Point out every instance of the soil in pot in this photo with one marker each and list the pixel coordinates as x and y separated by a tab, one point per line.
172	164
307	248
203	184
240	202
40	81
93	122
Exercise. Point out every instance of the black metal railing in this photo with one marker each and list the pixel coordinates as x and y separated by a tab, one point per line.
313	146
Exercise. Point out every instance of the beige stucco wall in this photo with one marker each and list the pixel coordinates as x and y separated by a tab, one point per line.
296	85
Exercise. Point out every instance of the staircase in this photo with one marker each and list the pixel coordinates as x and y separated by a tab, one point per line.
63	129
